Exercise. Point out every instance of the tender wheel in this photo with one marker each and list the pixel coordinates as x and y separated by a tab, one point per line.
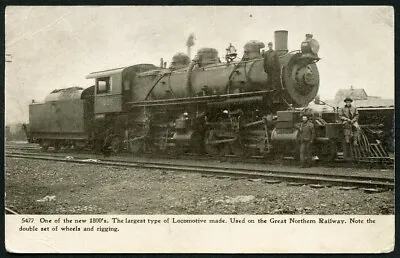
57	146
116	144
68	145
44	145
212	149
97	146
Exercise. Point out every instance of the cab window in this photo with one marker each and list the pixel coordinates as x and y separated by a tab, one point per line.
104	85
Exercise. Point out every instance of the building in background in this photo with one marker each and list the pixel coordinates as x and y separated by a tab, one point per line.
360	99
15	132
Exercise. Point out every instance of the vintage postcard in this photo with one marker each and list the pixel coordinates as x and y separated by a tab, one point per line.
199	129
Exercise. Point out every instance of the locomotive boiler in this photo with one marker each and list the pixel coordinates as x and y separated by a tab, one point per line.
204	104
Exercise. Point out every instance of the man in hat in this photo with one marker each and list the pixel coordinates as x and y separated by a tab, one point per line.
349	116
306	138
272	65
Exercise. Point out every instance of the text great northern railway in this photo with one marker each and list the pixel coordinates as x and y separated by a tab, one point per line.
305	221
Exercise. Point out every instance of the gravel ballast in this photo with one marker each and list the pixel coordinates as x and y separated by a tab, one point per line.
43	187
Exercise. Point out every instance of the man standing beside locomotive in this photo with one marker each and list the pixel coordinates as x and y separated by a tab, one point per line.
349	116
272	65
306	137
107	143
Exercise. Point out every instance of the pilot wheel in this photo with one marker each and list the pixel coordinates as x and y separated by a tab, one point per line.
327	151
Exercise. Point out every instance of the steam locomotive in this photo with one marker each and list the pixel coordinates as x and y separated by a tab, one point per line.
238	107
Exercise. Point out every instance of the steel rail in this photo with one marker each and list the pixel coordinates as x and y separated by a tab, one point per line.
384	179
267	174
338	163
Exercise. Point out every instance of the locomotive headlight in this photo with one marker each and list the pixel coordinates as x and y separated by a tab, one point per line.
310	45
314	45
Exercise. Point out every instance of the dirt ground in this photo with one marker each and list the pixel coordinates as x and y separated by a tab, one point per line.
43	187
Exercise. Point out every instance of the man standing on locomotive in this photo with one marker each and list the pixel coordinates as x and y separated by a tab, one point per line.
272	65
349	116
306	137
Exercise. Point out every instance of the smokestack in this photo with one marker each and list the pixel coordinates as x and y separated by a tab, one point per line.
281	42
189	44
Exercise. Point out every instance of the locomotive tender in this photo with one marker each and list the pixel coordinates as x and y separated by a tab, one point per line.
201	105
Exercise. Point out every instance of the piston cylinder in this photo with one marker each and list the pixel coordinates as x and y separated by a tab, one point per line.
280	137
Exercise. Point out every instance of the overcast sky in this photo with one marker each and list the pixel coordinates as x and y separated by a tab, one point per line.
56	47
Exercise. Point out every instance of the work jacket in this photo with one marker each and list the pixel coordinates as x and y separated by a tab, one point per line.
306	131
271	60
348	112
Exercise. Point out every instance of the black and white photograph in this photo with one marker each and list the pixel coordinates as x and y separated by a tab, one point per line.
200	110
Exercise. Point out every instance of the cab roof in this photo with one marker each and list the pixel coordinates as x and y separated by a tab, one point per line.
106	73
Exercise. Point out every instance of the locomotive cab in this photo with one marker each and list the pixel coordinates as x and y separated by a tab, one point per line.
115	87
113	90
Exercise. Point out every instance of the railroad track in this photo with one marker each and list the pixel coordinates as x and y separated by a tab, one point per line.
22	148
269	175
338	163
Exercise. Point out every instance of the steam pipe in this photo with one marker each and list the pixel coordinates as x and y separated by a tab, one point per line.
188	84
188	51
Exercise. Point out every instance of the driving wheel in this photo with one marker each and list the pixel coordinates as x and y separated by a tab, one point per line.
212	149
